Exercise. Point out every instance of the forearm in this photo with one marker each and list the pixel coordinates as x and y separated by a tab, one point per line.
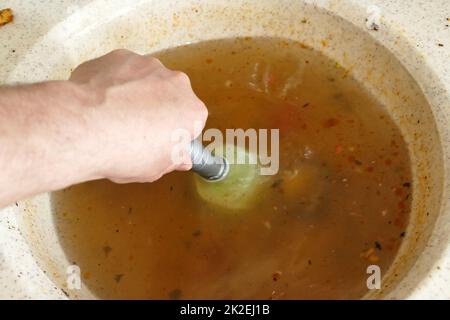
44	139
113	119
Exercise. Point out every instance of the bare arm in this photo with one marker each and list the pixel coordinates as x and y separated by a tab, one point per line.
113	119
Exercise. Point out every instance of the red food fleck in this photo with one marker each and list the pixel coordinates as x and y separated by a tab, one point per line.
331	122
276	276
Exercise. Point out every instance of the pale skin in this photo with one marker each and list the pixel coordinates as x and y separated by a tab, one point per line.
113	119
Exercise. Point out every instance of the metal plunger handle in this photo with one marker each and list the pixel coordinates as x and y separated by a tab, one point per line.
206	164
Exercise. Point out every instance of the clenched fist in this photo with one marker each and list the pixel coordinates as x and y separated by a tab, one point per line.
138	106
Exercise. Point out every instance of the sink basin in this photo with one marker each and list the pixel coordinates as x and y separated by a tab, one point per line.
380	49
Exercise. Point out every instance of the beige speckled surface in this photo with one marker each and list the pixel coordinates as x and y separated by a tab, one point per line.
39	46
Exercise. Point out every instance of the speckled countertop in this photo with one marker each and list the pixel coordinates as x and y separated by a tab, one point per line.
424	23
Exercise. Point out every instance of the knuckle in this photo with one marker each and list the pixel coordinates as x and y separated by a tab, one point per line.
181	77
203	111
120	52
199	113
194	116
154	61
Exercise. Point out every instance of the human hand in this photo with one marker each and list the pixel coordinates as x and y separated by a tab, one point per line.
137	105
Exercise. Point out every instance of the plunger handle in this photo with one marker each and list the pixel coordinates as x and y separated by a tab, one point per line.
206	164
